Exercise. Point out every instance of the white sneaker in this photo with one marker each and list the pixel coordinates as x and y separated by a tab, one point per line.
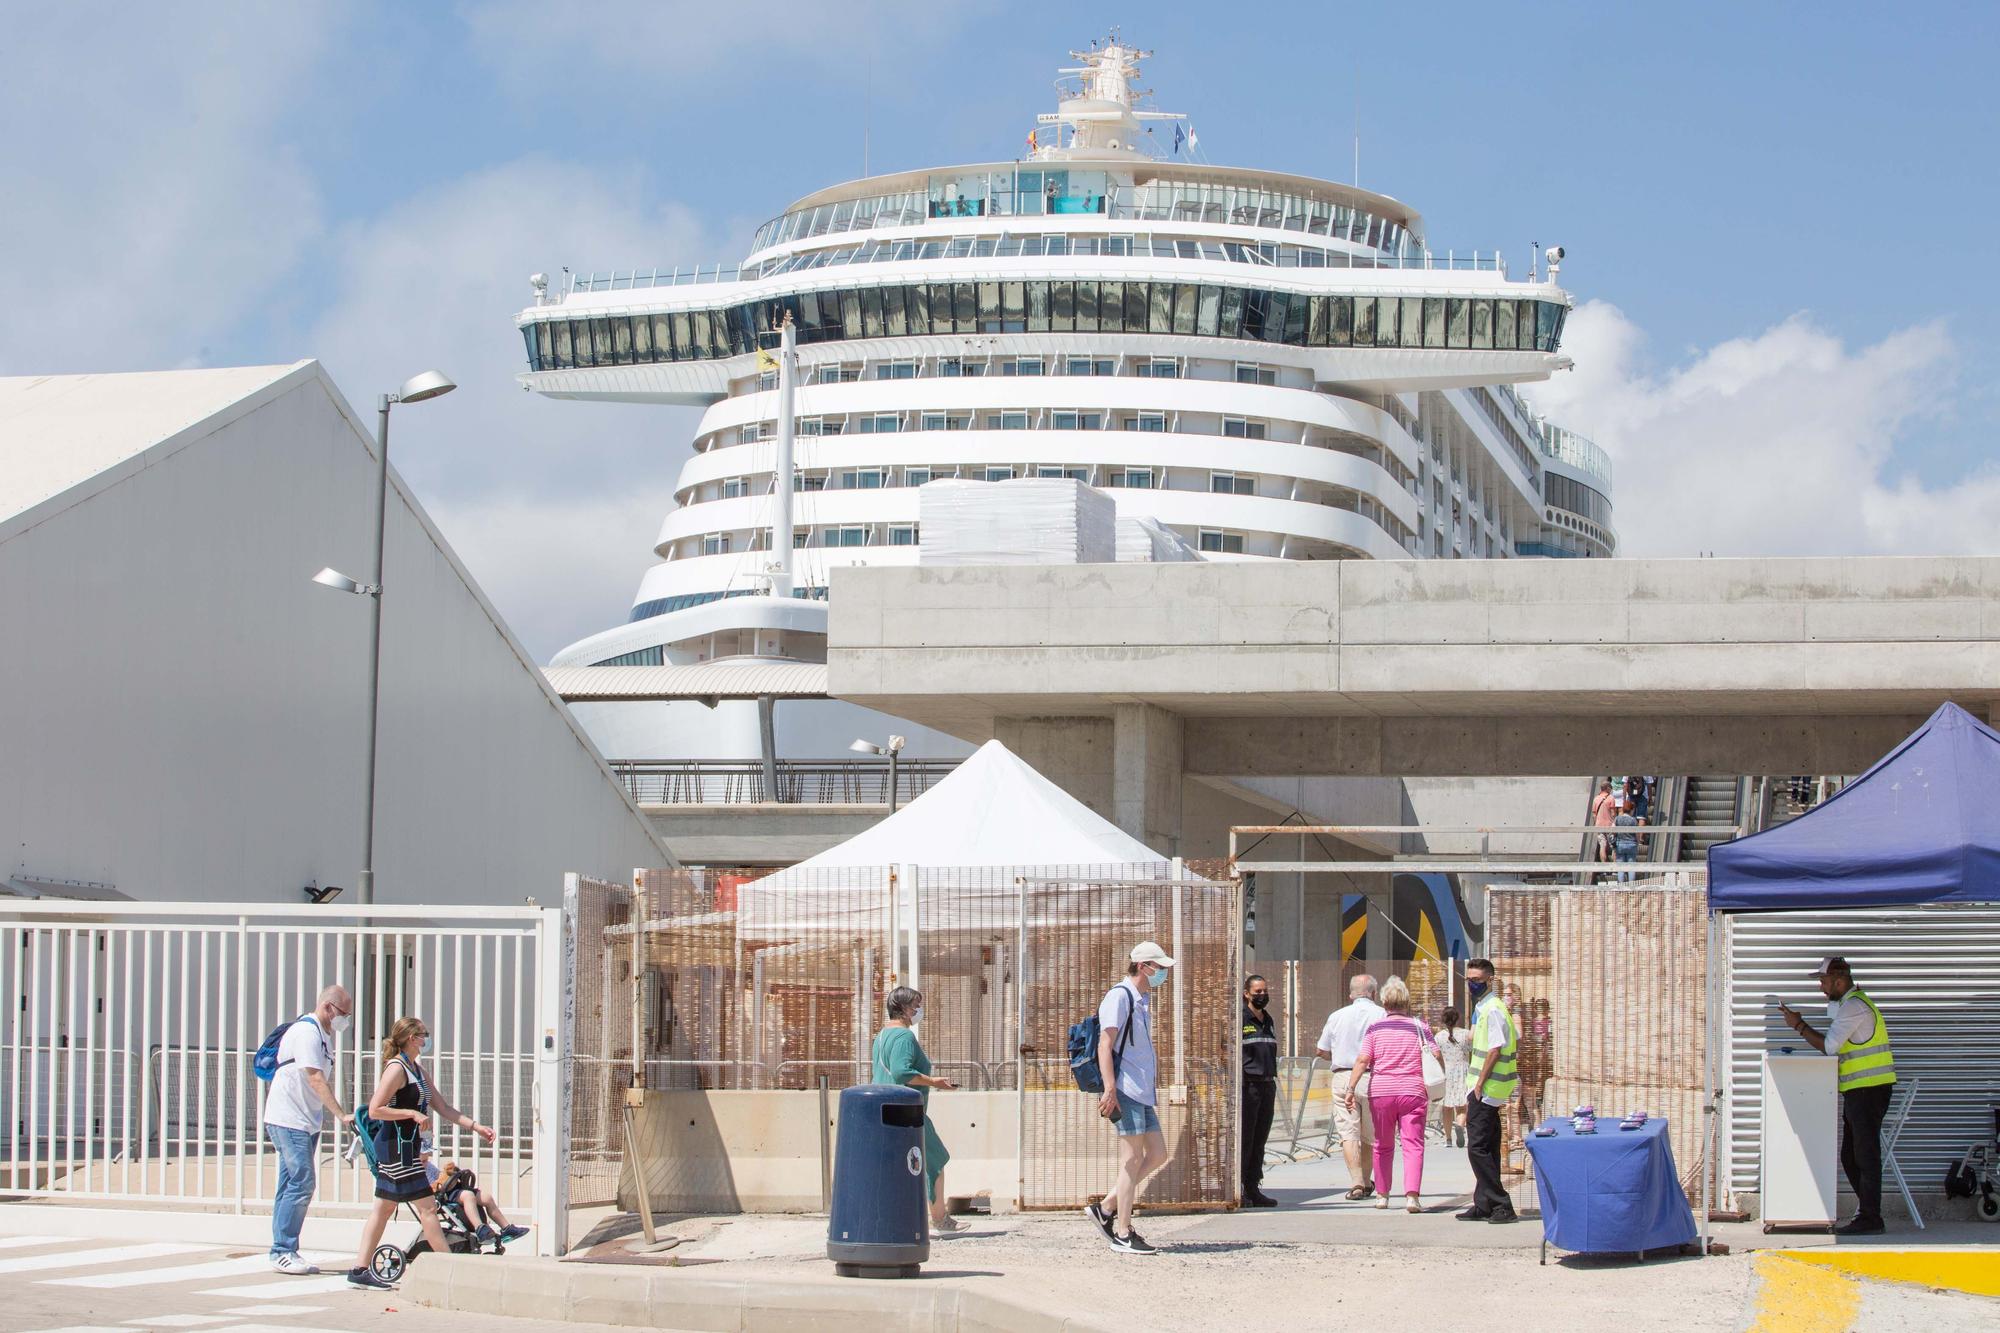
292	1265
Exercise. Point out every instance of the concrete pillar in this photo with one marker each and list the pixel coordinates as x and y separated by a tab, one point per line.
1379	948
1072	752
1146	775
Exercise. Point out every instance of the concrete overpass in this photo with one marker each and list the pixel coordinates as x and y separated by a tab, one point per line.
1120	680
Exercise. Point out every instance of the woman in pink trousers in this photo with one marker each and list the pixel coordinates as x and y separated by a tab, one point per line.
1393	1051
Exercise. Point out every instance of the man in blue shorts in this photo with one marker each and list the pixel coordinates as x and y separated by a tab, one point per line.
1131	1073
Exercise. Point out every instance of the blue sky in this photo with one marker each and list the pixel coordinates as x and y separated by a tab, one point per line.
1776	217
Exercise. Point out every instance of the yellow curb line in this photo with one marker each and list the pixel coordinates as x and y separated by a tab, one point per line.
1972	1272
1794	1297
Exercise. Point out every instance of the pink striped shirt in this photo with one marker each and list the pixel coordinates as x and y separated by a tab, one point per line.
1395	1050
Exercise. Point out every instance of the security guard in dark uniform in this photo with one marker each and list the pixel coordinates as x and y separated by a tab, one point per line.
1260	1087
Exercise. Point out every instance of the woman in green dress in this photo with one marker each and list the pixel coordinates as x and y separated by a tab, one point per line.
900	1059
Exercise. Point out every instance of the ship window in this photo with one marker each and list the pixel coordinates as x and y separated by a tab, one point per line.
903	534
894	324
1503	324
1295	320
1081	474
733	487
1062	307
1163	308
856	536
999	474
1157	368
642	338
1077	420
1238	428
885	423
896	370
1185	297
1013	307
1229	543
715	543
1482	323
1316	331
1209	314
1152	422
1457	322
1231	483
1433	321
1038	307
1130	478
1023	365
1007	421
916	476
1413	321
1086	307
989	308
1364	321
967	299
866	480
1548	321
1248	372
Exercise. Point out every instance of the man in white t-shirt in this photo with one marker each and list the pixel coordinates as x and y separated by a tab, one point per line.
1131	1072
1340	1045
295	1113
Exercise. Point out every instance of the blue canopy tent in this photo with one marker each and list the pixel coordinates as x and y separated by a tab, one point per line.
1921	826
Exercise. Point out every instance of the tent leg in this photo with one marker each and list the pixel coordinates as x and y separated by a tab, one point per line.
1708	1134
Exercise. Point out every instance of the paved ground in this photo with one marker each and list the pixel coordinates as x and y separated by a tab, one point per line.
64	1285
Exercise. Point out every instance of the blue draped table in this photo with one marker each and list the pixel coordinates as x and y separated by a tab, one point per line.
1612	1192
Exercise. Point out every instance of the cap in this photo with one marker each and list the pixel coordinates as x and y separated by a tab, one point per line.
1832	963
1150	952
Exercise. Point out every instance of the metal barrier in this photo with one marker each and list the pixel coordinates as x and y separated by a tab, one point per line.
86	987
799	782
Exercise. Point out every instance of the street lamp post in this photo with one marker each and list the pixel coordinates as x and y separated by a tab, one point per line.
428	384
892	749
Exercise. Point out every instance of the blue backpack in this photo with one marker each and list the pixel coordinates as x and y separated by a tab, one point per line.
1083	1040
265	1063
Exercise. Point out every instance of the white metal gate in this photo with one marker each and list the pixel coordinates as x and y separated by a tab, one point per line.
128	1031
1932	969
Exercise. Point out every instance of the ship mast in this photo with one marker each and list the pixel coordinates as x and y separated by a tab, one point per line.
781	511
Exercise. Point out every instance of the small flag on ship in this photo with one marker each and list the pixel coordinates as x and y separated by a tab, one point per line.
1193	142
1179	139
765	361
1031	140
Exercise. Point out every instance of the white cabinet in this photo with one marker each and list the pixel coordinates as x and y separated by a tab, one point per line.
1801	1140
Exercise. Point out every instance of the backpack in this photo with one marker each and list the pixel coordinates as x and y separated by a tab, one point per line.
1083	1042
265	1063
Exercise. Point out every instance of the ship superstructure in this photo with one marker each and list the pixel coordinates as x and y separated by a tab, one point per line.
1277	367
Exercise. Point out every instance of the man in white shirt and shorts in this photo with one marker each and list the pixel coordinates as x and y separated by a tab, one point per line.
1340	1045
1131	1073
295	1114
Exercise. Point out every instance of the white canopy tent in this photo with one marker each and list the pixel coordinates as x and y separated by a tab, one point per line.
971	835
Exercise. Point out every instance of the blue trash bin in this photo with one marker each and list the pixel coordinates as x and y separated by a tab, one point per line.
879	1224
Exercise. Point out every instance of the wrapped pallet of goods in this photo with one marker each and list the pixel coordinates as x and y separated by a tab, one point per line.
1149	541
1026	521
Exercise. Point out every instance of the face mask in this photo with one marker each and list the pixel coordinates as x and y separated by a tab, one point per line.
1160	975
341	1022
425	1049
916	1017
1259	1001
1477	989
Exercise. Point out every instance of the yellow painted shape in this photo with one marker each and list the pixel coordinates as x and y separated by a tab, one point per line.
1794	1297
1427	943
1351	938
1971	1271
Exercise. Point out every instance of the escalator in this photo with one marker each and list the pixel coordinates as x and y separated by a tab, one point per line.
1708	801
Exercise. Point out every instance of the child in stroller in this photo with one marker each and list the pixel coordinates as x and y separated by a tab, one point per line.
466	1214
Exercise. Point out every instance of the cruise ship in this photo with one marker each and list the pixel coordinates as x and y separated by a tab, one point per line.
1274	366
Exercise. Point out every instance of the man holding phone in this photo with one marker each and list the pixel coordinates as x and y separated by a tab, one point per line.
1858	1036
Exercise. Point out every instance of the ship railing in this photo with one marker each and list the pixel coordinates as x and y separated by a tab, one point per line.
618	280
799	781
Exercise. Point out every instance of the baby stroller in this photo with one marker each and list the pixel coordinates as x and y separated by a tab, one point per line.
1977	1175
391	1261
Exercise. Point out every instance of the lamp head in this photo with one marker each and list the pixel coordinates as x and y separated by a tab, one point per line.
865	747
427	384
334	579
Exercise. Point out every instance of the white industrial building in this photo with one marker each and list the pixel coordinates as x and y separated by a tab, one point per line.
183	713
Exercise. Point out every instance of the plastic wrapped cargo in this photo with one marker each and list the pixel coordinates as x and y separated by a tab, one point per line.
1026	521
1149	541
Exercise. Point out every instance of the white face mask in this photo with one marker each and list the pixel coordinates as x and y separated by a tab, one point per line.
341	1022
425	1047
916	1017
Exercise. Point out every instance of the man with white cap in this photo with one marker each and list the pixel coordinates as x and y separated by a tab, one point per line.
1858	1036
1130	1068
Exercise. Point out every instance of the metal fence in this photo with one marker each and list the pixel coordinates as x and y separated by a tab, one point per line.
797	782
127	1030
721	981
1609	989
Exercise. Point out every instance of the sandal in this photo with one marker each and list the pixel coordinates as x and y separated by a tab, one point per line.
1358	1193
948	1225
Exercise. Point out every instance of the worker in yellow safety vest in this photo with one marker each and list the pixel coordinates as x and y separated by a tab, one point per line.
1858	1036
1491	1078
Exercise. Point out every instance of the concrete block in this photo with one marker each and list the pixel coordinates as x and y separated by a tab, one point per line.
678	1299
847	1305
1663	621
603	1295
526	1291
1849	620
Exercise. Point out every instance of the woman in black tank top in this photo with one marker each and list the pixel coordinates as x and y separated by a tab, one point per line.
401	1108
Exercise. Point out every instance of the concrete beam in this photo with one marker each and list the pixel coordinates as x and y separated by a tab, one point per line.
757	835
1146	775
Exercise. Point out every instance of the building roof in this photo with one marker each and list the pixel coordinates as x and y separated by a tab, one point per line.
63	438
706	680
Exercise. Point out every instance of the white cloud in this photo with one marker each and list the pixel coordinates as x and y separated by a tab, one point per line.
153	198
1779	444
554	506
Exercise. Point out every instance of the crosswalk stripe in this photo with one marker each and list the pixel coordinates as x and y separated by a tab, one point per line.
273	1328
23	1242
148	1277
93	1328
178	1321
291	1286
117	1254
274	1309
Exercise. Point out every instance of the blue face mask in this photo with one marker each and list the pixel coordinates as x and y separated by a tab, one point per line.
1477	989
1160	975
